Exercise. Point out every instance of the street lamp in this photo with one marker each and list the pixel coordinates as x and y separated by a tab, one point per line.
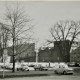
36	55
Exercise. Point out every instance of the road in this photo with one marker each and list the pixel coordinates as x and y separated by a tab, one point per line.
53	76
56	77
75	76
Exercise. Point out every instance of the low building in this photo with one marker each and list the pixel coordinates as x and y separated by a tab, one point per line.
75	52
45	55
24	52
75	55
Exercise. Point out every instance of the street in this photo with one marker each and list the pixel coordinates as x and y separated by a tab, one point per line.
52	77
75	76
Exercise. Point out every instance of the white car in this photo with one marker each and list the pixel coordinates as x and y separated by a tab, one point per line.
23	68
10	66
63	69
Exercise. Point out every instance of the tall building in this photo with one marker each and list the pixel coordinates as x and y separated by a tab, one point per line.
62	52
58	53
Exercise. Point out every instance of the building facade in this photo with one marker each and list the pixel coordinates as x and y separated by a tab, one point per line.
59	53
75	55
45	55
24	52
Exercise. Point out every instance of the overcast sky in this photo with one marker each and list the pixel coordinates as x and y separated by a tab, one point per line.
46	14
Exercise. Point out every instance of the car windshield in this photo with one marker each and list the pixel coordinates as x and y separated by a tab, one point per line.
64	66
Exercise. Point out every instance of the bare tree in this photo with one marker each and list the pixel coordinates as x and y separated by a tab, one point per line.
16	19
4	37
65	30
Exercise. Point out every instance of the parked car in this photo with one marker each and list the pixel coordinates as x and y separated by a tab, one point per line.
63	69
31	65
3	66
10	66
23	68
73	64
6	66
40	67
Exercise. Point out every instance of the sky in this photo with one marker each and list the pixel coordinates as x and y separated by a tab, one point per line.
45	14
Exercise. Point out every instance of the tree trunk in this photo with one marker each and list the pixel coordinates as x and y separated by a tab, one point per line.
13	49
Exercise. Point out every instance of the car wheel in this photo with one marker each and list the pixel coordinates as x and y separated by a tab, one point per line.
56	72
64	72
45	69
71	73
17	69
22	69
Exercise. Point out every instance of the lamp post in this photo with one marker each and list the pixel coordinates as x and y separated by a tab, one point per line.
36	56
58	58
36	50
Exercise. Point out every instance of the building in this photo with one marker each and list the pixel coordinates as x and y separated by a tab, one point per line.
75	45
62	52
59	53
24	52
45	55
75	52
75	55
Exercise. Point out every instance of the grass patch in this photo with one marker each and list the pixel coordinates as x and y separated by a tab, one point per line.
25	74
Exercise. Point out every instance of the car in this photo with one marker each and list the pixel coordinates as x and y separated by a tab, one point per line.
6	66
23	68
10	66
40	67
73	64
3	66
31	67
63	69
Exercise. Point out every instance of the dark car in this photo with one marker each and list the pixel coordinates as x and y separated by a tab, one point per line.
73	64
40	67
